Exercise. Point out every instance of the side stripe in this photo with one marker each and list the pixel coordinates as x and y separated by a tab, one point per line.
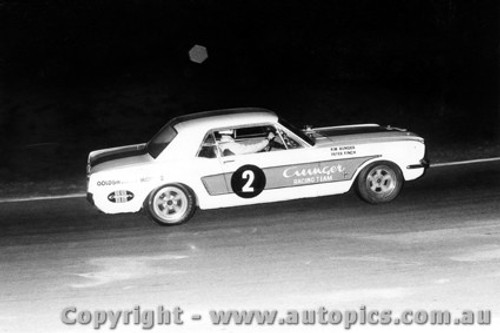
294	175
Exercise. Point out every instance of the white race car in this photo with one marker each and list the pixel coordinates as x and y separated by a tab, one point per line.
248	156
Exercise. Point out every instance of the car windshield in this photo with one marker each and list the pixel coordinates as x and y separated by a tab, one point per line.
297	132
161	140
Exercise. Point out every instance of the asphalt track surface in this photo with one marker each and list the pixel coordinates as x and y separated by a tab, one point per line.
436	247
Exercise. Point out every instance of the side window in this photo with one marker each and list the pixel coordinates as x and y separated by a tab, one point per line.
208	148
248	140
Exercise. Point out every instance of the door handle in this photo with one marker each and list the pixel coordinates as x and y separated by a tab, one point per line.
229	161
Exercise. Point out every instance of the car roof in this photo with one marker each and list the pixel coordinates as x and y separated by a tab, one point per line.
223	118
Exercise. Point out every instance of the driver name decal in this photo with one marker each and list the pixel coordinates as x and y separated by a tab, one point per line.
343	150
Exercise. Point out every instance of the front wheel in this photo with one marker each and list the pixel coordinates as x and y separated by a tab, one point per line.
171	204
379	182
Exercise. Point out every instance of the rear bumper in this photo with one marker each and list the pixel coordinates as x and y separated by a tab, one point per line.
90	198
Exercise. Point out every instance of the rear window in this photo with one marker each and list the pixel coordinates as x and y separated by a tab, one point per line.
161	140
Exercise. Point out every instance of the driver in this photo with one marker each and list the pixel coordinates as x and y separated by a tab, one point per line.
230	147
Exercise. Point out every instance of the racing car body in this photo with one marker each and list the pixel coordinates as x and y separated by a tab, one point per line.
184	166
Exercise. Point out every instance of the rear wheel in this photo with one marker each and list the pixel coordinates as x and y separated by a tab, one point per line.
171	204
380	182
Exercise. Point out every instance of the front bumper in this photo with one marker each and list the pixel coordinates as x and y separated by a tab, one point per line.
424	163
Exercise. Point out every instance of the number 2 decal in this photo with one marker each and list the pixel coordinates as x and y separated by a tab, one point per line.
248	181
250	176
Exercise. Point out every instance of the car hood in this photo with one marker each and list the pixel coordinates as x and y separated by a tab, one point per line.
364	133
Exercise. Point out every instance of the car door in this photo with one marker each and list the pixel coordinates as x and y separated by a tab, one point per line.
267	176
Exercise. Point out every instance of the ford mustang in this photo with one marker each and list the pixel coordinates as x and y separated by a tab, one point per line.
248	156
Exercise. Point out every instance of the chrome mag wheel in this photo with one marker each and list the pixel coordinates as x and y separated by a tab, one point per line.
379	182
171	204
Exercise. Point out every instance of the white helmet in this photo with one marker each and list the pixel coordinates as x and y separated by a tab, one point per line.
227	132
226	135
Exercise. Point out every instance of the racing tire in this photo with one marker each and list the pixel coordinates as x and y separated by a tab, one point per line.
170	204
379	182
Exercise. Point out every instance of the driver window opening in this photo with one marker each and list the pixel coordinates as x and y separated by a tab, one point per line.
248	140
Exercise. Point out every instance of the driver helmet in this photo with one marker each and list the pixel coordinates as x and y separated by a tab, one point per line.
226	135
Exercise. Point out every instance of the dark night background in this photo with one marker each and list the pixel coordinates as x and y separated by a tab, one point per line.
78	75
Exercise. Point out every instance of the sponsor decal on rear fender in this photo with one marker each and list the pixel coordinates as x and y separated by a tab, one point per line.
120	196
